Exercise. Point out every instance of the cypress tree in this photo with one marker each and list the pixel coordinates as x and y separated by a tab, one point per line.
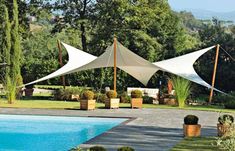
6	46
15	75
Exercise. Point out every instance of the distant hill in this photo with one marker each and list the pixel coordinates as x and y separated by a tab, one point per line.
205	14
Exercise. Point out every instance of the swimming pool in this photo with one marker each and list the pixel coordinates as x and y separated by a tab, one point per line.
50	133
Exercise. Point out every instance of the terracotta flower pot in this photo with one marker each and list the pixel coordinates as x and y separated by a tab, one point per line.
28	92
192	130
112	103
136	102
87	104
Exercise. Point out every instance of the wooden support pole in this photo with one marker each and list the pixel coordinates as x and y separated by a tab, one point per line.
61	62
214	73
115	64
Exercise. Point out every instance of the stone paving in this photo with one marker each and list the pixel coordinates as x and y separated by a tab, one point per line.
149	129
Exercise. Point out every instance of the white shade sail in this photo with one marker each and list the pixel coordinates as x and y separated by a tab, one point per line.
77	58
183	66
131	63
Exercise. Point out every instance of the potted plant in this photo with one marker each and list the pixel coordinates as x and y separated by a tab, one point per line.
87	102
225	123
29	90
136	99
191	126
112	102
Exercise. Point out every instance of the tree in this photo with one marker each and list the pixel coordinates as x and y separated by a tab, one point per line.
14	78
212	34
6	39
75	14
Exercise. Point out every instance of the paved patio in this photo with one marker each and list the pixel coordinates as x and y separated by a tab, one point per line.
149	129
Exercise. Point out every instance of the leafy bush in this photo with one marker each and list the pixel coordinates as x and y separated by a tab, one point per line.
65	94
227	142
111	94
229	100
97	148
182	90
230	104
87	94
148	100
191	120
136	94
125	98
226	119
100	97
125	148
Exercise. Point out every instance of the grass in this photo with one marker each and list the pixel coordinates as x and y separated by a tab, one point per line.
197	144
39	102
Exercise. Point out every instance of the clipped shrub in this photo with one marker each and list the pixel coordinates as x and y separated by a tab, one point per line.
125	98
148	100
88	95
136	94
226	119
182	89
125	148
191	120
111	94
100	97
97	148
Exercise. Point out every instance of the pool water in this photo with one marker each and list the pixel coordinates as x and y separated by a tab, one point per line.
50	133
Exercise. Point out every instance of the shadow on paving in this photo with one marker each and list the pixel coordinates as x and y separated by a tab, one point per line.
141	138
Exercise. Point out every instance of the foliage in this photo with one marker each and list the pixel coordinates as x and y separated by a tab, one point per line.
87	94
226	119
217	33
148	100
229	100
65	94
97	148
125	148
100	97
182	90
111	94
191	120
11	49
198	143
136	94
41	54
227	142
125	98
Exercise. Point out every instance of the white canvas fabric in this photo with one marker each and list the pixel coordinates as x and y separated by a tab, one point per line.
77	58
127	61
131	63
183	66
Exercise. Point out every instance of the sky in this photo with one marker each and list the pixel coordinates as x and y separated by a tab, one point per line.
211	5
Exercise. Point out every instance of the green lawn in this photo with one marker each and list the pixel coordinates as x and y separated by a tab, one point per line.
40	102
197	144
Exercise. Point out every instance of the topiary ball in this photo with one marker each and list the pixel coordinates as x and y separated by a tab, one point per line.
226	119
97	148
111	94
89	95
125	148
136	94
191	120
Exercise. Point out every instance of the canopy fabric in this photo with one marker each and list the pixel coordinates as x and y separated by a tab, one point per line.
183	66
131	63
77	58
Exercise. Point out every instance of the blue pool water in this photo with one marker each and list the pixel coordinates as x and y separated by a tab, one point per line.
50	133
